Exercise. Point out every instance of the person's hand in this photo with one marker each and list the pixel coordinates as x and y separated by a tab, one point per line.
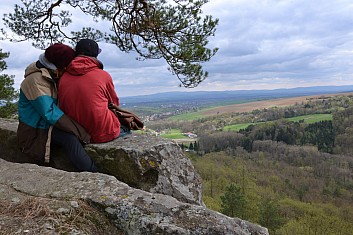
112	106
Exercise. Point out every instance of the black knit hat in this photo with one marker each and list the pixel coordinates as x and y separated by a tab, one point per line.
87	47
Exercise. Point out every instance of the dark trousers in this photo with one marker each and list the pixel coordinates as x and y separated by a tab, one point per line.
124	131
74	149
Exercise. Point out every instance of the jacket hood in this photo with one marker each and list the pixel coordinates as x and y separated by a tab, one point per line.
83	64
32	68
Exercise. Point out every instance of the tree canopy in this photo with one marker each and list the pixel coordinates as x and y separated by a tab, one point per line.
175	30
7	92
233	201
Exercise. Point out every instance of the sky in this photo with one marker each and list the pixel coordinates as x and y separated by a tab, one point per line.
263	44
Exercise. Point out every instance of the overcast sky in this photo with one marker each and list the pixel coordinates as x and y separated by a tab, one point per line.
263	44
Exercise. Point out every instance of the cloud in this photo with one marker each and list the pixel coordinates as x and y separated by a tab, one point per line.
263	44
281	43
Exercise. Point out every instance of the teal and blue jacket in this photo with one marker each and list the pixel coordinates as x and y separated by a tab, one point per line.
38	112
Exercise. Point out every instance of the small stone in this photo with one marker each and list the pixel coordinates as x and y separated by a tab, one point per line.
15	200
175	209
63	210
75	232
74	204
48	226
110	210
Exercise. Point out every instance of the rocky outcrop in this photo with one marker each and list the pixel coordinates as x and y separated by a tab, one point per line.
131	211
149	163
145	162
160	192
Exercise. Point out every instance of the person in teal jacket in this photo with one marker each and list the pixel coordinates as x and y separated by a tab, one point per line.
41	121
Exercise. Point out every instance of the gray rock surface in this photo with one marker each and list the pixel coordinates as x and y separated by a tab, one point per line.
146	186
149	163
131	211
145	162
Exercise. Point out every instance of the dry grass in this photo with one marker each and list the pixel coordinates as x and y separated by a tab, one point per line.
40	216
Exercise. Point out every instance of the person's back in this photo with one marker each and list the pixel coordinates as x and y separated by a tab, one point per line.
41	122
85	90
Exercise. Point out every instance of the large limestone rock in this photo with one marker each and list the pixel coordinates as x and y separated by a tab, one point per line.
149	163
145	162
131	211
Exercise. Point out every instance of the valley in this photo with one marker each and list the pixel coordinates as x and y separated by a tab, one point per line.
284	163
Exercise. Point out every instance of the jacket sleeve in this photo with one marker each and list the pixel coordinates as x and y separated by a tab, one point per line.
112	96
43	103
38	95
47	108
69	125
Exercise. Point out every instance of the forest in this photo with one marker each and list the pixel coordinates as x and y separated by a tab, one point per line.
282	172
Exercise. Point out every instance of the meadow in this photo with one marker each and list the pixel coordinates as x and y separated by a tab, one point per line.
312	118
177	133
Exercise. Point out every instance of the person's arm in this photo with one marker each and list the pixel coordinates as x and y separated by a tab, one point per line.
38	96
67	124
112	96
45	106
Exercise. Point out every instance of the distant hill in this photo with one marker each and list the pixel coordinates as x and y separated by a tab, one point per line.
232	96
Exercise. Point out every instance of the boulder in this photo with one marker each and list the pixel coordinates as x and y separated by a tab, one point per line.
48	197
142	161
149	163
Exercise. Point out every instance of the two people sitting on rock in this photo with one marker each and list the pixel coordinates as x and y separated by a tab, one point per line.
86	92
41	121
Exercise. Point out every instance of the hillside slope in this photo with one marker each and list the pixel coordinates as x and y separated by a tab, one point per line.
247	107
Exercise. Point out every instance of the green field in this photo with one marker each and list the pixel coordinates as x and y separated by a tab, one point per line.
238	127
312	118
173	134
188	116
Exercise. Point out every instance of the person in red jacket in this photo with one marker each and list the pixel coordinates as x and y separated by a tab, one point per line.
86	90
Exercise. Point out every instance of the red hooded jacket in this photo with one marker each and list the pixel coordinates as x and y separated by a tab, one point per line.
85	90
